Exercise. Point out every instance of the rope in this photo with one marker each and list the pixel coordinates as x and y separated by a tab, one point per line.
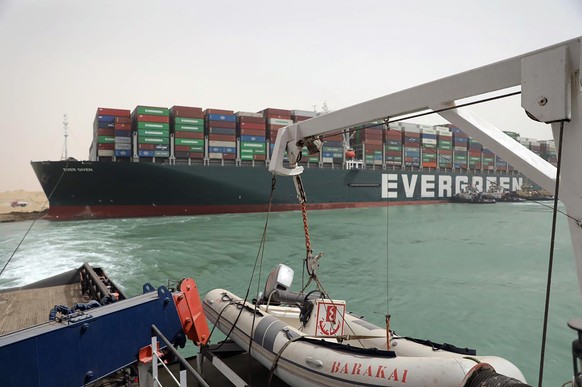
258	261
551	258
34	220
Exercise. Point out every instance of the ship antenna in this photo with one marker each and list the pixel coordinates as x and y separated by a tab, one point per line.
65	154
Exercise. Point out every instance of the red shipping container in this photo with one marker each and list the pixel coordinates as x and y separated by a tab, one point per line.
147	146
105	132
221	137
251	120
429	164
333	137
113	112
186	111
300	118
373	142
259	157
283	112
221	124
228	156
219	111
182	148
247	125
124	126
275	127
196	155
278	116
252	132
179	134
123	120
149	118
106	146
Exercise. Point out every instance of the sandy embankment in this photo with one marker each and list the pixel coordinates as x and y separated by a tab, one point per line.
37	205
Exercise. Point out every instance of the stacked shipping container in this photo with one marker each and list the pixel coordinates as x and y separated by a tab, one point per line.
445	147
221	131
393	145
152	127
191	133
111	134
252	132
411	142
428	141
187	125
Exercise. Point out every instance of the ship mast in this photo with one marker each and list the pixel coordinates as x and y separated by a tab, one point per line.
64	154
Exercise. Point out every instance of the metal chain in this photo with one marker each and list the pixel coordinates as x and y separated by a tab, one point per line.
306	228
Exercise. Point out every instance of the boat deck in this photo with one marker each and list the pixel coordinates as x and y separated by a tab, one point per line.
24	308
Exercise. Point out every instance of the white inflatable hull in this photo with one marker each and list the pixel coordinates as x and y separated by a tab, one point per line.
313	362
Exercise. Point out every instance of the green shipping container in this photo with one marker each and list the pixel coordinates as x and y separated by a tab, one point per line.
314	159
153	133
189	141
153	140
189	128
198	149
252	145
428	156
394	147
189	121
248	151
246	156
153	125
105	140
153	111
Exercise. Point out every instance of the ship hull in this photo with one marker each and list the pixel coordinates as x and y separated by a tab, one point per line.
86	190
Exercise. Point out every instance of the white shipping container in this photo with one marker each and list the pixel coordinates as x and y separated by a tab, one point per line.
123	140
249	114
122	146
105	153
305	113
428	130
280	121
429	141
226	144
215	155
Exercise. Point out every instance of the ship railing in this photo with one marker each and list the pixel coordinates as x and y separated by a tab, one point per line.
151	376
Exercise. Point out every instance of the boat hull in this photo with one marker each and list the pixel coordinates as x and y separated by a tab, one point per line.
300	361
86	190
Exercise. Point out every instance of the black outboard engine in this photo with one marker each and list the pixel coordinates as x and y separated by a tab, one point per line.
484	375
576	324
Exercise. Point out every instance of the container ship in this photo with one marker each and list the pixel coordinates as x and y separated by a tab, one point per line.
156	161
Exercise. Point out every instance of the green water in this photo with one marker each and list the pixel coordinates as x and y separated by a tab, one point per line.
473	276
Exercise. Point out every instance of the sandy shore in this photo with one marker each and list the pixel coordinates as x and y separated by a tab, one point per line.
36	205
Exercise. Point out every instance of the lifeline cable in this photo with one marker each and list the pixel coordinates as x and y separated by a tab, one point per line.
34	220
257	259
551	258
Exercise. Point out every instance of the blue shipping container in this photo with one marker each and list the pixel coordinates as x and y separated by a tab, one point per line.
216	130
145	153
105	125
252	138
122	153
108	119
222	117
122	133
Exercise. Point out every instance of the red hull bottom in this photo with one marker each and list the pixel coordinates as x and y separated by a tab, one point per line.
97	212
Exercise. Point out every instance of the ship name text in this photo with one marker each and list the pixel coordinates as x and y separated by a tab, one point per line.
372	371
427	186
77	169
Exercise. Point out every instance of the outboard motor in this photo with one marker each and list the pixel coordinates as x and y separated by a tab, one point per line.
484	375
278	282
576	324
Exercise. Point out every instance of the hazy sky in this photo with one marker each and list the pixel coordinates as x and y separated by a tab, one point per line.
71	56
